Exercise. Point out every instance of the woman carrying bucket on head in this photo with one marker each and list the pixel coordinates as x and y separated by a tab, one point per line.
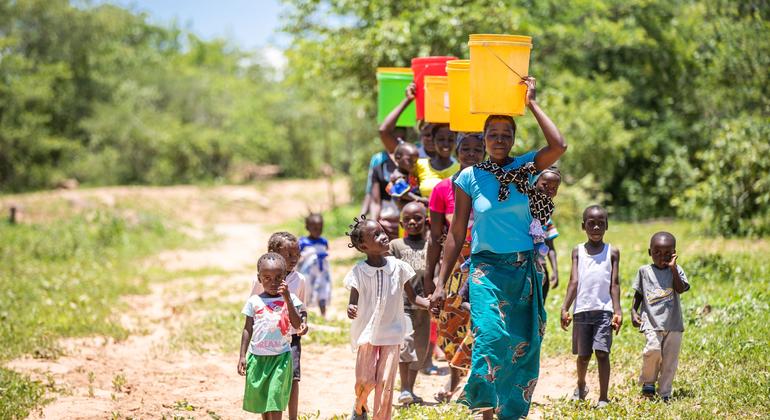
507	313
429	170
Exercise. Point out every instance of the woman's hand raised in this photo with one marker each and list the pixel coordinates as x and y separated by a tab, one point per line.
411	91
531	89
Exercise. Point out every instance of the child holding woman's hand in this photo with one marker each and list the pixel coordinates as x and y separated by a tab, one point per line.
377	286
265	358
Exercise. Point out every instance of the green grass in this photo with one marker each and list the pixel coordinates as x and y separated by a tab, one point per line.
19	394
326	332
63	279
724	368
213	324
336	222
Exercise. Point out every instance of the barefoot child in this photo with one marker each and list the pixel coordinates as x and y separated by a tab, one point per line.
265	357
376	306
594	287
314	249
285	244
412	250
658	314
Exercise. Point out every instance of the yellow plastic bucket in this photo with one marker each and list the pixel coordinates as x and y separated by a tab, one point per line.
460	117
436	99
498	63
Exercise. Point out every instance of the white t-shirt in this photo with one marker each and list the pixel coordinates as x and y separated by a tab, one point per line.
381	320
296	281
593	280
272	328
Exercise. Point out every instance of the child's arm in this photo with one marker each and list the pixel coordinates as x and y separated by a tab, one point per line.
389	124
679	285
617	317
294	317
554	265
414	299
353	303
571	291
245	339
636	320
434	251
452	247
376	201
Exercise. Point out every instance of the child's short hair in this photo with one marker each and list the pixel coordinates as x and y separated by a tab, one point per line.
278	239
662	236
554	170
314	216
356	234
402	146
414	203
271	256
594	207
434	129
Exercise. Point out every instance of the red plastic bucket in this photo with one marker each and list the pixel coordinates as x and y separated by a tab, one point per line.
427	66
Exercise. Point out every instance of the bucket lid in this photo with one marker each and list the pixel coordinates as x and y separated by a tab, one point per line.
500	38
436	80
433	59
458	64
398	70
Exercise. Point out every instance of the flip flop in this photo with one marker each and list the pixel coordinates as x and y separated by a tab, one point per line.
577	395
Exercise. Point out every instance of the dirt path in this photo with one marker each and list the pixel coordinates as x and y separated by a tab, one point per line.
143	376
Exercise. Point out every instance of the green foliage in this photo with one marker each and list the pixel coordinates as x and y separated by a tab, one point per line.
650	94
733	193
18	395
99	94
640	89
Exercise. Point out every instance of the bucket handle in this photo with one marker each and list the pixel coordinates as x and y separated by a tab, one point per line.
506	65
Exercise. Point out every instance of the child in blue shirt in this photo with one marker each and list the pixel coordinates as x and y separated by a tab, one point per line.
314	262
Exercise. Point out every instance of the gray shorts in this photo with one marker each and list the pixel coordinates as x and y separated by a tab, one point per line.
591	331
416	345
296	354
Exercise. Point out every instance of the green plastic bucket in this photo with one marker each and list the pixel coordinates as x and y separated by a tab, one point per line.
391	84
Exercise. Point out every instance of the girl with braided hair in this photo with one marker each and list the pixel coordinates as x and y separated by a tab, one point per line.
376	306
507	313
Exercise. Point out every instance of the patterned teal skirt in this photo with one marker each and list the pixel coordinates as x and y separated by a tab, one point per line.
508	322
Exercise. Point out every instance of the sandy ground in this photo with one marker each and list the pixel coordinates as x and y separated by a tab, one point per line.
142	377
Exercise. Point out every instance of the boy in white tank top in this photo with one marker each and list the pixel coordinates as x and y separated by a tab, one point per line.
595	291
